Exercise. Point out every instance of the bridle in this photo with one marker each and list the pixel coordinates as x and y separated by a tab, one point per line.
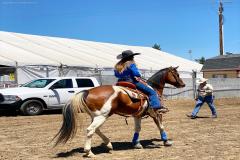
175	76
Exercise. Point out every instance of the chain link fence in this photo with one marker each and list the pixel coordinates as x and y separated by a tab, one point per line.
223	87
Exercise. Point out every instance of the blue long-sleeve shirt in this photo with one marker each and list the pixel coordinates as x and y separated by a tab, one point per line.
128	74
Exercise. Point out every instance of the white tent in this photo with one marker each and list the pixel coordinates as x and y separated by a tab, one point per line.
28	50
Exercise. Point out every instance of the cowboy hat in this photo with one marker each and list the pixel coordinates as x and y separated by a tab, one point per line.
201	80
126	54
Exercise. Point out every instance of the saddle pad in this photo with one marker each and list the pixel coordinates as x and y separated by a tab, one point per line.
134	94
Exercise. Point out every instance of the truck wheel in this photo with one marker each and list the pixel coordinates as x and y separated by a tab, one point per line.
31	108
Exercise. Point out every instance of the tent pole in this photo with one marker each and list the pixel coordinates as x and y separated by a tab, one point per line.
47	71
60	70
16	73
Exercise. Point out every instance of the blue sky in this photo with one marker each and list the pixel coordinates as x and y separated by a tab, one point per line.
177	25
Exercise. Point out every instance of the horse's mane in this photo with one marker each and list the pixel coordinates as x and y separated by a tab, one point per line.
157	77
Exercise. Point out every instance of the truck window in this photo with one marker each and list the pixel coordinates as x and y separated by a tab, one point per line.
84	83
64	83
39	83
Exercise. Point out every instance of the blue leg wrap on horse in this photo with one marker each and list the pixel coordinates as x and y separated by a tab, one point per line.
164	136
135	138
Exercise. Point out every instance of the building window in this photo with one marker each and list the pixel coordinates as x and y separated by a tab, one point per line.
219	76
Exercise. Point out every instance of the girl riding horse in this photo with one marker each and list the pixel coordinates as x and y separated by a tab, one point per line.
126	70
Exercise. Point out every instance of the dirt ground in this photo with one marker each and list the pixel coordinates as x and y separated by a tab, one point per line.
204	138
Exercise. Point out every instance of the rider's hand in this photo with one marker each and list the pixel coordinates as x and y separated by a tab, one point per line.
138	78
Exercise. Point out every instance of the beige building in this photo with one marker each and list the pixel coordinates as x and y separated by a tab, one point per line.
225	66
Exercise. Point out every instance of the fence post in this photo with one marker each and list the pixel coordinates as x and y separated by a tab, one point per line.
194	76
98	72
100	75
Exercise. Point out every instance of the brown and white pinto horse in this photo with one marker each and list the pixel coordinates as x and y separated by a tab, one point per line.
103	101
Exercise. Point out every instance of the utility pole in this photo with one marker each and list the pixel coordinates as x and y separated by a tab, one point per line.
220	13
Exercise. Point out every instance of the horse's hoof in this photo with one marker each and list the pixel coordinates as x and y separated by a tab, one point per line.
168	143
89	154
138	146
109	146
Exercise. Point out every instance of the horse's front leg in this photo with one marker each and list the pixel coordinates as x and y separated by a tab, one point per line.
135	141
158	122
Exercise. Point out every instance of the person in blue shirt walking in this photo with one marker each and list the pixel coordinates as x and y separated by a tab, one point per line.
205	94
126	70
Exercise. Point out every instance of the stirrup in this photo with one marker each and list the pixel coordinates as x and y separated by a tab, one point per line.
162	110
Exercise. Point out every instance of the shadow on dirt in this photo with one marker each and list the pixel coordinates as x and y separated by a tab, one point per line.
117	146
96	150
70	153
203	117
9	113
14	113
197	117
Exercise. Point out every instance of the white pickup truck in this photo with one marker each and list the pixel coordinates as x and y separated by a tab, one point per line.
44	93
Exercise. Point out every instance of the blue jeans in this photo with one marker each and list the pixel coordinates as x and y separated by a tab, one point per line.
199	103
154	101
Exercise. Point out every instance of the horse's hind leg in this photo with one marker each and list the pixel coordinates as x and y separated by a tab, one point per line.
158	122
105	139
96	123
135	141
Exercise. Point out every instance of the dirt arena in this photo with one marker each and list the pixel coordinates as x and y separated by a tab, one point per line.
204	138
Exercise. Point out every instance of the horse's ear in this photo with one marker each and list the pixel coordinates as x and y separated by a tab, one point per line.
176	67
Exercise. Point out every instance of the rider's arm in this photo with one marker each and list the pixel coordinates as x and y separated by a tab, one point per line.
135	71
116	73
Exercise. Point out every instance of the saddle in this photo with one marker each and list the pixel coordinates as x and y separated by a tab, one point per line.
135	95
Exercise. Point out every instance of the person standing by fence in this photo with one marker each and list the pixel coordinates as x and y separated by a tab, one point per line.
205	94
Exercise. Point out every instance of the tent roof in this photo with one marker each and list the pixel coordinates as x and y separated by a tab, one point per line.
42	50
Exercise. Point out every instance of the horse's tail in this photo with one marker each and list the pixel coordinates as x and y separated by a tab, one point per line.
69	125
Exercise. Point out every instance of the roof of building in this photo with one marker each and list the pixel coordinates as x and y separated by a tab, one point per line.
230	61
26	49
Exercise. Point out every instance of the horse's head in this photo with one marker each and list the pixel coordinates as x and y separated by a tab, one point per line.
173	78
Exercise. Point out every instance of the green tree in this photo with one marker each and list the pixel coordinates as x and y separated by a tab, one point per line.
201	60
156	46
